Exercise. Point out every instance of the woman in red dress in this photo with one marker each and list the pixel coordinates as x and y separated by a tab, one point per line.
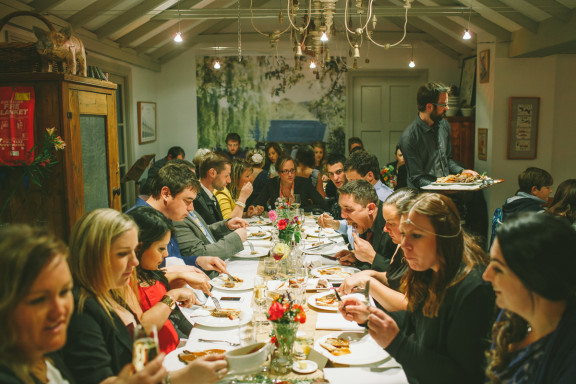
159	289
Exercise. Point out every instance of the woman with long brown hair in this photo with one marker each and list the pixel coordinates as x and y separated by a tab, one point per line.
442	336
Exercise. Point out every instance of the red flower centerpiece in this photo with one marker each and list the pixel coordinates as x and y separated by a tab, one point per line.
285	316
286	220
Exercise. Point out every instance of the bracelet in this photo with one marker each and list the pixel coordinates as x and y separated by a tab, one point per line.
243	205
167	379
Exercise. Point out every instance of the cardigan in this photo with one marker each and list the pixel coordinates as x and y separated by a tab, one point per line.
448	348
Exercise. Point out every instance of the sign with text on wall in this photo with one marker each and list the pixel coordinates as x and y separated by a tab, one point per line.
16	125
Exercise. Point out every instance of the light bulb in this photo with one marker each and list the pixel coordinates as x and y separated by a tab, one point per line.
299	50
324	37
412	64
216	64
312	65
178	37
467	35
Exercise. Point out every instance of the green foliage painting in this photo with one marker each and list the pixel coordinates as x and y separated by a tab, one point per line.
244	96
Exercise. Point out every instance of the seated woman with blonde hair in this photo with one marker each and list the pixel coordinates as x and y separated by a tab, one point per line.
233	198
103	259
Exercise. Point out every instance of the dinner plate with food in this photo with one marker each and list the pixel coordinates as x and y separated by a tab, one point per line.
220	318
350	348
180	357
319	247
463	179
247	252
232	282
315	232
326	301
258	221
311	285
258	234
334	273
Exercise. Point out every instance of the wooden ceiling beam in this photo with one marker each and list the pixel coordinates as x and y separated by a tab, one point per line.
91	12
553	8
139	11
43	6
517	17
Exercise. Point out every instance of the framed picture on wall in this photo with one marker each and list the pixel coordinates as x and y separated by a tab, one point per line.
146	122
484	66
468	82
482	144
523	127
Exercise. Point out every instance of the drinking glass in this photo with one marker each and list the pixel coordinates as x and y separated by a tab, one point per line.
296	201
145	346
304	342
260	290
270	266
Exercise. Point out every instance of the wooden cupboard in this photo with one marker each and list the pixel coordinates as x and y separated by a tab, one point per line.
463	139
83	110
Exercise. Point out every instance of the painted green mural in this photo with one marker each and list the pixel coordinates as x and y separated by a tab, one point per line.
245	96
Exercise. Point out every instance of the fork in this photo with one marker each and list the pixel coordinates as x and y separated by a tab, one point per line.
219	341
216	303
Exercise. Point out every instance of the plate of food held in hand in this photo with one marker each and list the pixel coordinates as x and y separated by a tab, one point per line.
334	273
463	179
325	301
232	283
350	348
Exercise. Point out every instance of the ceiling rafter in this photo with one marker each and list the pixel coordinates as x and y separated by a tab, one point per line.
91	12
553	8
42	6
133	14
518	18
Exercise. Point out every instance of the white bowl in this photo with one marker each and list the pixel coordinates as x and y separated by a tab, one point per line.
241	361
452	111
467	111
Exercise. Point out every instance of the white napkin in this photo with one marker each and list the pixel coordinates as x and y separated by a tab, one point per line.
335	321
365	376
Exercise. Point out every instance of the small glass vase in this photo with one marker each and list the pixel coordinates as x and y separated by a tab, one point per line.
283	357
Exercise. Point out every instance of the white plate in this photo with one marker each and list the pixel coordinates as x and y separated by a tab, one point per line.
247	253
219	322
252	234
326	232
363	349
257	221
173	363
248	283
280	285
338	276
312	302
304	366
326	248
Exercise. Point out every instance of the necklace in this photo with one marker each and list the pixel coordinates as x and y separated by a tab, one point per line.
40	371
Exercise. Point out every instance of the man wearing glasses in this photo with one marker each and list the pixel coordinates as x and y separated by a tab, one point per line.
426	143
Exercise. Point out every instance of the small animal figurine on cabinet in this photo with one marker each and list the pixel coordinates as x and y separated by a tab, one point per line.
59	46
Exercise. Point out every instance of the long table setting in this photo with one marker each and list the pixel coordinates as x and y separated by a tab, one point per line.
323	348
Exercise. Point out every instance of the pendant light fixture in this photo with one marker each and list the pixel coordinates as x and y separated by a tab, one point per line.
412	64
467	35
178	37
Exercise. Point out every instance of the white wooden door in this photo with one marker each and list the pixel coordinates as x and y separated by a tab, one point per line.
382	104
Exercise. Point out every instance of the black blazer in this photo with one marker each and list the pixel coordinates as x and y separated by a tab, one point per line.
309	196
204	207
98	346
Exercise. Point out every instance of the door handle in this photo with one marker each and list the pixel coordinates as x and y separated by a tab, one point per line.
116	192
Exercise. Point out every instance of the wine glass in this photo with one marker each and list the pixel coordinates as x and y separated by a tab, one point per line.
296	201
145	347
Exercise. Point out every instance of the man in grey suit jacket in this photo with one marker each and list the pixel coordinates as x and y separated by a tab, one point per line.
223	238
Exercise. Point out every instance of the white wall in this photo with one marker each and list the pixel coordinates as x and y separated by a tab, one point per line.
551	79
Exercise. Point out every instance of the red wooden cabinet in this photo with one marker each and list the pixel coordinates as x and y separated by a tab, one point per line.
463	139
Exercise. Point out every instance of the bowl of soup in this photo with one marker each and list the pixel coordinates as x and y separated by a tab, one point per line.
247	359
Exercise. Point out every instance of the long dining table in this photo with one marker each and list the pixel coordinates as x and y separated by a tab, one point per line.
368	363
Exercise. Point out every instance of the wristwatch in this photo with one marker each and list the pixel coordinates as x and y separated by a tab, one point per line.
169	302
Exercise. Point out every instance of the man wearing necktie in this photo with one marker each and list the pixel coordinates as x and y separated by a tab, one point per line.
362	211
214	175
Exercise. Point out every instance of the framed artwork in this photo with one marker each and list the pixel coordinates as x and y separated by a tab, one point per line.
523	127
146	122
484	66
482	144
468	82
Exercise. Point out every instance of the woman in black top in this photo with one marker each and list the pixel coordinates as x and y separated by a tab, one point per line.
533	272
286	185
441	338
385	286
103	260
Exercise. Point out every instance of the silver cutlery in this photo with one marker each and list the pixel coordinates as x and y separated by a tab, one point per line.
216	303
219	341
252	250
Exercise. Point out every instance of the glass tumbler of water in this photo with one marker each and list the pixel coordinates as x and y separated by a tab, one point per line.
145	346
